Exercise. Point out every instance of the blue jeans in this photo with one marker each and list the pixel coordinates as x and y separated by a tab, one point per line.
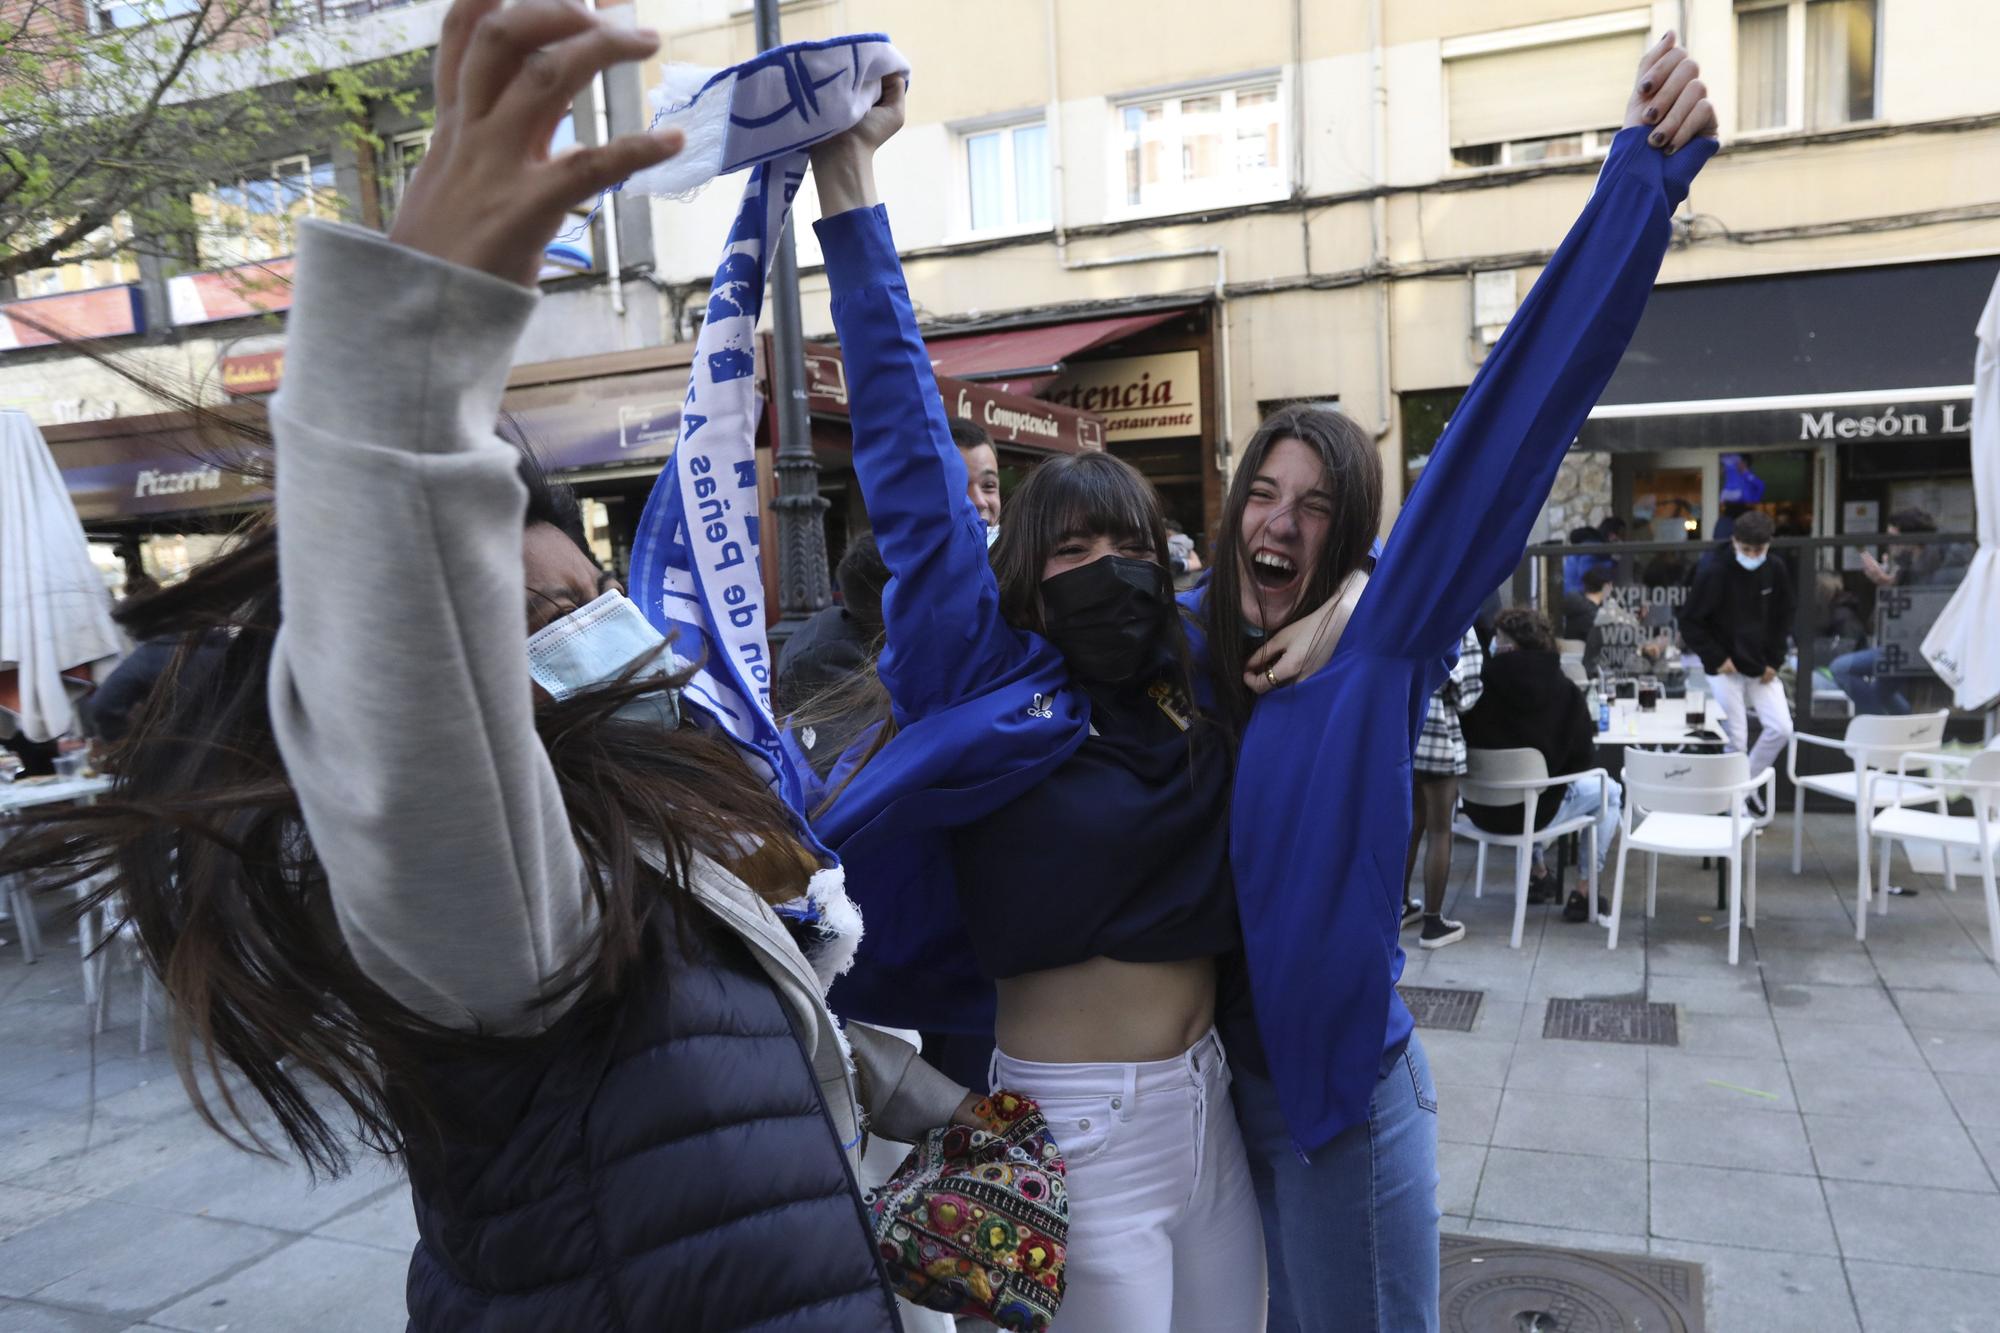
1855	673
1359	1221
1581	799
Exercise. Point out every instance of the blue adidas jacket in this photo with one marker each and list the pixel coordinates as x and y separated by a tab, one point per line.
1321	820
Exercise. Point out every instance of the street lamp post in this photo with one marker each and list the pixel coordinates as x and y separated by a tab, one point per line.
803	585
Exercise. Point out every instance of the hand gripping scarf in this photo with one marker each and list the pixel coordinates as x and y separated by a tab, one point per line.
695	564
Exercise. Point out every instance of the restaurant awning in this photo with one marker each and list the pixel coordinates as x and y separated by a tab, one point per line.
1022	361
1859	355
592	416
1014	421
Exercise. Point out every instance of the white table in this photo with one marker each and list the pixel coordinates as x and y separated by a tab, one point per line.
1665	725
28	795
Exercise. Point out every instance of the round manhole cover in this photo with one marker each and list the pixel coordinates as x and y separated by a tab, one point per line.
1499	1287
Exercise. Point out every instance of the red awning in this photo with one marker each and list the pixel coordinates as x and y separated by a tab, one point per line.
1027	359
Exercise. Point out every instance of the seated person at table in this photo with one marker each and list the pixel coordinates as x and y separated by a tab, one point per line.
1528	703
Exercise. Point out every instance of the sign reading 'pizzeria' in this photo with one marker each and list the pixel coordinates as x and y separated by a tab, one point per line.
1139	397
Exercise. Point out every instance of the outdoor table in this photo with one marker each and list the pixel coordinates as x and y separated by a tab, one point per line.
1665	728
27	794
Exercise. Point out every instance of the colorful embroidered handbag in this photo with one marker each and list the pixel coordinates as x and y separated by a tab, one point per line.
975	1221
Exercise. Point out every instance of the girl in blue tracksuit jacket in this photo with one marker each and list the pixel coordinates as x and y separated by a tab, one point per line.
1000	697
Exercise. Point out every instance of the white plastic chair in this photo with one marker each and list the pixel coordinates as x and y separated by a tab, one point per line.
1510	777
1875	743
1692	805
1980	780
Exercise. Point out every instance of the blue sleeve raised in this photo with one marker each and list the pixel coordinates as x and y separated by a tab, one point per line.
1465	524
945	638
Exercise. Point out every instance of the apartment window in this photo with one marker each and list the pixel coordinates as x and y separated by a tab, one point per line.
138	13
1804	64
1007	177
406	151
256	216
1525	152
1518	105
74	272
1203	148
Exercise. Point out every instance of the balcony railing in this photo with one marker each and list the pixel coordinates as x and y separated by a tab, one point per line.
296	14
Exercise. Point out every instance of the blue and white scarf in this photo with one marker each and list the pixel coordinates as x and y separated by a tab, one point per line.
695	564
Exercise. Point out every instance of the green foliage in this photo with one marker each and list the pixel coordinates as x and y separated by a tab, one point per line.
130	124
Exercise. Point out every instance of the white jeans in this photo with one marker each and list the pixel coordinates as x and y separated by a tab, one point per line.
1164	1235
1738	696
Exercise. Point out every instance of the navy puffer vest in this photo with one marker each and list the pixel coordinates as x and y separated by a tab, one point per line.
665	1164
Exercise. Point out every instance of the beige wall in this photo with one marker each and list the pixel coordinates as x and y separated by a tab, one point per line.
1844	203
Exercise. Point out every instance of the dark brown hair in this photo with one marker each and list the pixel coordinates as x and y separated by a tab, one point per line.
1526	628
203	838
1752	528
1078	495
1353	475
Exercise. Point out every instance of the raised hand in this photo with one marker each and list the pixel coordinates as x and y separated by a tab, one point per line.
843	167
1670	97
488	195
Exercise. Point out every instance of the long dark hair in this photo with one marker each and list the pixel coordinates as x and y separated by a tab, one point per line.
1353	475
203	838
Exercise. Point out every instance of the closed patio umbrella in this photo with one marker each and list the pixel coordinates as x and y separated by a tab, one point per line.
1963	647
55	612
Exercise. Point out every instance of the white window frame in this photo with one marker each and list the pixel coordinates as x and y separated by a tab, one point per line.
274	172
397	180
1557	32
1596	143
961	157
1188	197
1795	71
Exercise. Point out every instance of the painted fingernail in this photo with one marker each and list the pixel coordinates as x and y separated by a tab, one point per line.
1652	114
1646	88
1657	139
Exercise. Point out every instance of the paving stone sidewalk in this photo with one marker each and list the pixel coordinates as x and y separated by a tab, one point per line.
1825	1140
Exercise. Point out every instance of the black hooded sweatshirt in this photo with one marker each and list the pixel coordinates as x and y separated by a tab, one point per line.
1739	615
1528	703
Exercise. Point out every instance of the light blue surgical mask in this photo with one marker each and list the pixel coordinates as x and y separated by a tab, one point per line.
1752	562
992	535
593	645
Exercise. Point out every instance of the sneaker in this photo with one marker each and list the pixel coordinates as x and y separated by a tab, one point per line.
1439	932
1754	803
1578	908
1541	888
1412	913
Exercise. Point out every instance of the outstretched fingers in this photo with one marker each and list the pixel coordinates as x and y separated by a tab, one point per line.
583	172
549	78
503	41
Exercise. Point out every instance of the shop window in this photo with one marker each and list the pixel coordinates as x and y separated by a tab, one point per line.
1804	64
1007	177
1542	94
256	216
98	260
1202	148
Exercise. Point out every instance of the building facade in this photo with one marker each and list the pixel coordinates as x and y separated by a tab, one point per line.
1171	217
1180	215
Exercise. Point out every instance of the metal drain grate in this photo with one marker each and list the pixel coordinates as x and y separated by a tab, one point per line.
1444	1008
1629	1022
1497	1286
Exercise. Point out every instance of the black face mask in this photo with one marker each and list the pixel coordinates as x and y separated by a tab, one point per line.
1107	617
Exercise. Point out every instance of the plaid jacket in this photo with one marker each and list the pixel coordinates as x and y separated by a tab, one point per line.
1441	747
